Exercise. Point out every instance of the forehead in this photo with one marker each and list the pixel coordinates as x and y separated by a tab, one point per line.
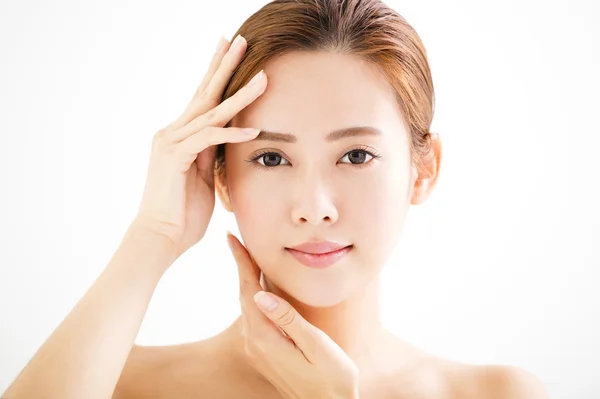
321	92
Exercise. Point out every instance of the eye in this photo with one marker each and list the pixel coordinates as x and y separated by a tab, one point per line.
357	157
270	159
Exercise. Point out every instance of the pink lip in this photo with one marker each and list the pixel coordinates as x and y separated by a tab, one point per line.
318	247
319	254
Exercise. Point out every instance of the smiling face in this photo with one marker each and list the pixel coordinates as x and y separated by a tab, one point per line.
308	178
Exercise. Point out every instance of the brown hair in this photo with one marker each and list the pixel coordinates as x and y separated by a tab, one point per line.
366	28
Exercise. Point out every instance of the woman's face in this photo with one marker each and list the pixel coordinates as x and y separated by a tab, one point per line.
308	186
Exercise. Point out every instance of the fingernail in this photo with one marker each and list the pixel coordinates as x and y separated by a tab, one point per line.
256	78
265	301
236	43
250	131
220	44
229	240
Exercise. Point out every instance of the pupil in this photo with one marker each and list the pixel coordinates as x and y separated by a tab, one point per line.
272	159
357	157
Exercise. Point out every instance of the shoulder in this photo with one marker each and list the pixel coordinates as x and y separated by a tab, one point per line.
442	378
163	371
493	382
508	382
142	370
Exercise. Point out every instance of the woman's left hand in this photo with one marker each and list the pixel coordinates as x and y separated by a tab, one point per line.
304	364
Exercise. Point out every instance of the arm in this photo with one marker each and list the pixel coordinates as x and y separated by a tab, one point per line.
85	355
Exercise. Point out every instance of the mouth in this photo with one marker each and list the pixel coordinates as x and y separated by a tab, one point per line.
319	260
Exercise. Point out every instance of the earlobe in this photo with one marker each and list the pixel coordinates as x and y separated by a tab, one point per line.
425	176
420	192
222	190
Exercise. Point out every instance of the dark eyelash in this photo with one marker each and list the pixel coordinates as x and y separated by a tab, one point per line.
252	160
366	149
262	154
374	154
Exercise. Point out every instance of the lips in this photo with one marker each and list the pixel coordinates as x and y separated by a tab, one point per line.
319	254
318	247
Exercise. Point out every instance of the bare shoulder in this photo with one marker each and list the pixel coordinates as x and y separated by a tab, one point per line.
489	381
439	378
504	382
155	372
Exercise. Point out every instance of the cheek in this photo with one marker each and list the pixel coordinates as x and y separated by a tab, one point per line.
257	205
248	194
379	205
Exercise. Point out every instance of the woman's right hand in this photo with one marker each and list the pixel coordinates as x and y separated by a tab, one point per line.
179	196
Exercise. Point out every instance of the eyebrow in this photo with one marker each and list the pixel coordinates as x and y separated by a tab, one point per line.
332	136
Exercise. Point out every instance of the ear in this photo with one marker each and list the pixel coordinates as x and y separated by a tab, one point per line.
222	189
425	176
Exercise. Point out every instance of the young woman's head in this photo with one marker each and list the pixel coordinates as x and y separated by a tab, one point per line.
345	147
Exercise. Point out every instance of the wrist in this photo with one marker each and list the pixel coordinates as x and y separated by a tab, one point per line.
148	248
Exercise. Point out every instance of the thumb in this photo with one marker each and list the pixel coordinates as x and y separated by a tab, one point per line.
306	336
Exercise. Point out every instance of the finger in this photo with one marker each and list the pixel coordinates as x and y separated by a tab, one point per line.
249	272
226	110
222	49
306	336
206	165
234	56
193	109
249	276
255	322
211	136
209	92
265	339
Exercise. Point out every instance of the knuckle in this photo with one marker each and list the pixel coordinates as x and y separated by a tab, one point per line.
200	91
178	159
176	151
203	93
211	115
209	134
205	99
160	135
286	318
160	145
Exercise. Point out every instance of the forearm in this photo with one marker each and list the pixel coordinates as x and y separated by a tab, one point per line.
85	355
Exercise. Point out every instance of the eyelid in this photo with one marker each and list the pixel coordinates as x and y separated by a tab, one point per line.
261	153
365	148
265	151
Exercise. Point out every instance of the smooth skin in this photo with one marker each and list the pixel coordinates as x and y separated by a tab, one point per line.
91	354
301	363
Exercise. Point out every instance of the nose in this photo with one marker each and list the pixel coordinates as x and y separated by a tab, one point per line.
313	204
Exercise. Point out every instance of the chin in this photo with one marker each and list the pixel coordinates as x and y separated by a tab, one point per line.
320	300
314	293
312	287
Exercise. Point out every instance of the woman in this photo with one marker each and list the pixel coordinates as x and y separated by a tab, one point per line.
320	195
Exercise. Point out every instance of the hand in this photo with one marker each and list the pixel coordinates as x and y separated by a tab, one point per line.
300	360
179	195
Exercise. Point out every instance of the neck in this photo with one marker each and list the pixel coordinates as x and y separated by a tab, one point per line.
353	324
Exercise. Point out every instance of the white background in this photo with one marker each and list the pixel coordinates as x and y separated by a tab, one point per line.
500	266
